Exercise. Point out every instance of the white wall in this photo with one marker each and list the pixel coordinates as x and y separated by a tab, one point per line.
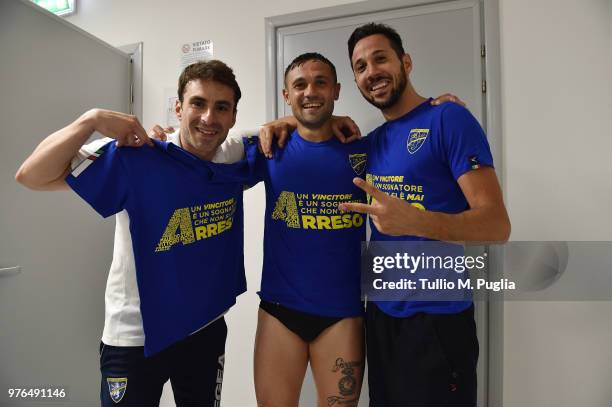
557	108
237	31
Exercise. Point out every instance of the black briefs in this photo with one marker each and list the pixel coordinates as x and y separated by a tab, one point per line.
306	326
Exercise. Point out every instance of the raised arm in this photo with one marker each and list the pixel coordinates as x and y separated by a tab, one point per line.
46	168
344	128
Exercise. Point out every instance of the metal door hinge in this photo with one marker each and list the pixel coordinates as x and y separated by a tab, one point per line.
483	51
484	86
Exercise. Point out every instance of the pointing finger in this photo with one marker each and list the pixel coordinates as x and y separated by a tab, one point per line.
370	189
357	207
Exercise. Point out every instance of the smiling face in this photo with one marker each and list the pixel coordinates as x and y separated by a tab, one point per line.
207	113
380	74
310	90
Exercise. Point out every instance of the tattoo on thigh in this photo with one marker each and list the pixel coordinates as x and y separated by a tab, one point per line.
347	385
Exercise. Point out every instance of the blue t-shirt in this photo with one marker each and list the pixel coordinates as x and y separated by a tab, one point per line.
186	228
418	158
311	249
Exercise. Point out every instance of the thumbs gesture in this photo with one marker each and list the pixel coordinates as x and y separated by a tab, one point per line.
390	215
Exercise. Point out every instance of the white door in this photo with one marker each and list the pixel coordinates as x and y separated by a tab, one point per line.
54	251
444	40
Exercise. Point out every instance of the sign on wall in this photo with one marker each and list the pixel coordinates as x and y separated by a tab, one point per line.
170	99
196	51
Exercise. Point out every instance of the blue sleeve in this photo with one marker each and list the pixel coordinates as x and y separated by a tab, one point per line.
100	180
245	171
464	143
256	160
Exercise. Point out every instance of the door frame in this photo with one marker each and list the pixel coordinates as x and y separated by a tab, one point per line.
135	53
491	359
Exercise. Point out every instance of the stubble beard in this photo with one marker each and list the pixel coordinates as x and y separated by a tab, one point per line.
395	95
315	122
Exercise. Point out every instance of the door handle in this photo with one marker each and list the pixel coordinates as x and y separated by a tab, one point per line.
10	271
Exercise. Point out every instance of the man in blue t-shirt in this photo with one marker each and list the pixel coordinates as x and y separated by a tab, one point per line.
436	168
311	308
185	231
299	290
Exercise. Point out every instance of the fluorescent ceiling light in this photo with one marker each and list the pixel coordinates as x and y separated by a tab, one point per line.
58	7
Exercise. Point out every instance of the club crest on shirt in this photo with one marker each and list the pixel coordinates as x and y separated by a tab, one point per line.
416	139
358	162
116	388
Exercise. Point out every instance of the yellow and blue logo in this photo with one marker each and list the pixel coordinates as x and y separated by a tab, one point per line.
116	388
358	162
416	139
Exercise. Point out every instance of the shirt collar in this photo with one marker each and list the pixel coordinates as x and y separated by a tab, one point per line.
175	138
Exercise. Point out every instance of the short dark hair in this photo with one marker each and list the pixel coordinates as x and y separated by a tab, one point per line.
366	30
310	56
213	70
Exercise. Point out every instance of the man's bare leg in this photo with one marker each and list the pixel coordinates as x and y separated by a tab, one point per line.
281	358
337	360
